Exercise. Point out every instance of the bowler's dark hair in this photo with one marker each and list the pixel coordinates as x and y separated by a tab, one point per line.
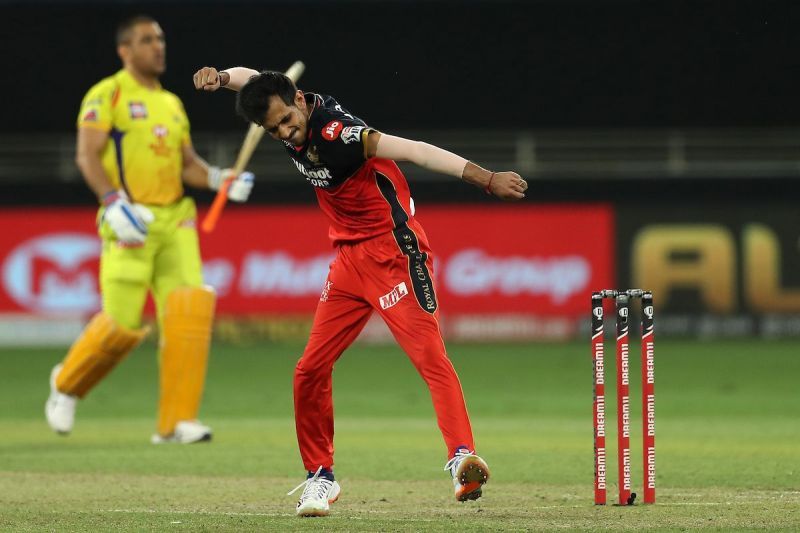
125	27
252	101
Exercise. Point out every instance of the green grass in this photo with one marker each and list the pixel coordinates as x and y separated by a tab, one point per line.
728	441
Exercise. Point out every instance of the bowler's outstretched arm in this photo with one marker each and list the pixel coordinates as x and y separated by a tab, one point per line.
505	185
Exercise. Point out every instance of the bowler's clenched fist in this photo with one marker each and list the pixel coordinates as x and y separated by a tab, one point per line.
209	79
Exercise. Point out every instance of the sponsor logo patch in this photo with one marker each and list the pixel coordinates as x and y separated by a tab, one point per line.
90	116
390	299
137	110
331	131
320	177
352	134
325	291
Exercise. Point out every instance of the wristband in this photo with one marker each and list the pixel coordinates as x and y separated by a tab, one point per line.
109	198
488	188
224	78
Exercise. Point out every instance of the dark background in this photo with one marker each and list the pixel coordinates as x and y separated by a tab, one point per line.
436	64
595	68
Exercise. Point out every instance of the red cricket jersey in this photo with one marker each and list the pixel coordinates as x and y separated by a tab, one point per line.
361	197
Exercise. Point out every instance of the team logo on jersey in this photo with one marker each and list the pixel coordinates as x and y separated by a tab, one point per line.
394	296
160	145
90	116
352	134
137	109
312	154
332	130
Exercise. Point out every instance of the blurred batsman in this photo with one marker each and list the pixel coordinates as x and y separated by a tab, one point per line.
135	153
383	263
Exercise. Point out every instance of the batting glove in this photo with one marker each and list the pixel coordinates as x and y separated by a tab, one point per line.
240	187
128	221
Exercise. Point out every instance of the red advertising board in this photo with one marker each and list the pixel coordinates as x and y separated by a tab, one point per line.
540	260
506	259
48	261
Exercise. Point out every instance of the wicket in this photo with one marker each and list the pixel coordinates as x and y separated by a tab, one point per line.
622	300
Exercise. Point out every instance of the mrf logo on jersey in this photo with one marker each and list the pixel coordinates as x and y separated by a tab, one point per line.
331	131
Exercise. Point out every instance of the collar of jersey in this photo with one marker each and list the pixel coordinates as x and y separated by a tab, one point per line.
125	78
316	98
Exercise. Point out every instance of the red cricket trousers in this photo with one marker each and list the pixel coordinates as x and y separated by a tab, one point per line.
393	275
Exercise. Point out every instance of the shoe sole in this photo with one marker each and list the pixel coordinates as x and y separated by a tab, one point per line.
205	438
318	512
313	513
473	474
158	439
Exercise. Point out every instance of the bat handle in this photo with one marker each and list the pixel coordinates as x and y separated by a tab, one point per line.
210	221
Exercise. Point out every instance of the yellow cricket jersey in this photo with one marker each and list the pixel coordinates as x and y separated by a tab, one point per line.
147	130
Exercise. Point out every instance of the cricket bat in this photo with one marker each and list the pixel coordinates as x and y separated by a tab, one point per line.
251	140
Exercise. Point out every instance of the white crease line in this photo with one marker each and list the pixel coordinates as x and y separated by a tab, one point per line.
269	515
698	504
172	511
381	512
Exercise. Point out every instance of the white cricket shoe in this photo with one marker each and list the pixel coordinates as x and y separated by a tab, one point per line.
317	497
469	472
186	432
60	407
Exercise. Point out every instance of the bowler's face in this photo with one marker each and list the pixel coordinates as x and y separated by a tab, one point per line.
287	122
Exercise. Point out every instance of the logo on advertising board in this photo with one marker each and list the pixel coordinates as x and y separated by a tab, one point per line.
219	273
54	273
473	272
281	273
